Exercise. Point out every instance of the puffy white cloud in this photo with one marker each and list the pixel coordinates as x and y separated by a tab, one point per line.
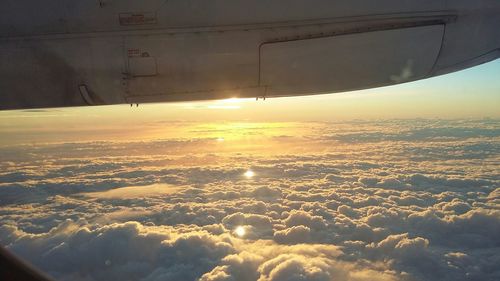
256	225
296	218
400	246
128	250
381	200
293	235
266	192
242	266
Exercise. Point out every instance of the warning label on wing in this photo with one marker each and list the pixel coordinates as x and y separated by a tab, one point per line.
137	18
133	52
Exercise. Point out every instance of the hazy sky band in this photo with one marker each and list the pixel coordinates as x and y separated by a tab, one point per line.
472	93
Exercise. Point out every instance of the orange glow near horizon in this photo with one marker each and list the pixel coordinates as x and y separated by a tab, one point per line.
467	94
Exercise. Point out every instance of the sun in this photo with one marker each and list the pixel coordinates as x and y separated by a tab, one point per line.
249	174
240	231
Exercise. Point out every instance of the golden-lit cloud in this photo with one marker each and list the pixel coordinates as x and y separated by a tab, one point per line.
357	200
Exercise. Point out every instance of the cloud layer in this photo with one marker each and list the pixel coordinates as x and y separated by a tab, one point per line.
385	200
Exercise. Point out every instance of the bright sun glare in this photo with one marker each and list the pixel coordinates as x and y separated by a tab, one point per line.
232	103
249	174
240	231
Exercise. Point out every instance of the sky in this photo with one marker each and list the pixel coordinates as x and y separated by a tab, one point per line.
393	184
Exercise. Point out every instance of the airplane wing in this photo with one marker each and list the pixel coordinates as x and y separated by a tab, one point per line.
115	52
